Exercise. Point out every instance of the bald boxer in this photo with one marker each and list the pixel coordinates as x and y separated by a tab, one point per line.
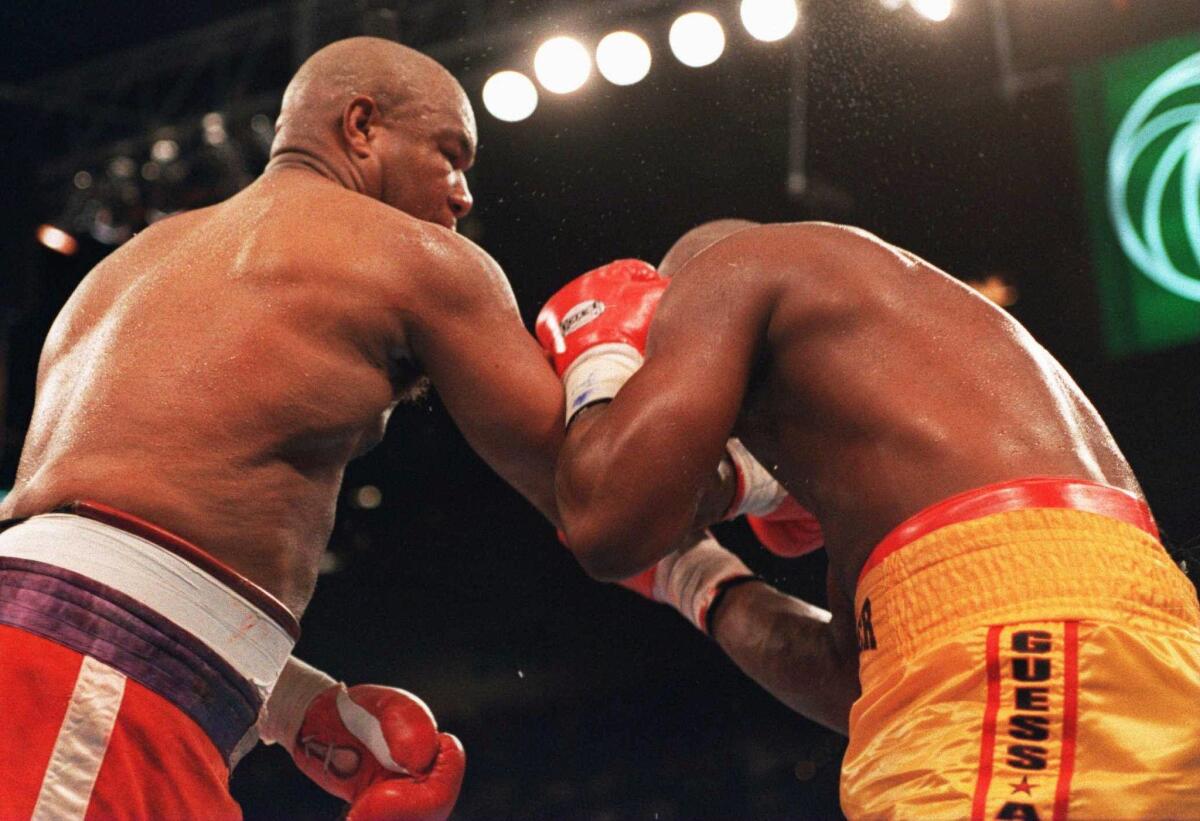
1025	646
198	399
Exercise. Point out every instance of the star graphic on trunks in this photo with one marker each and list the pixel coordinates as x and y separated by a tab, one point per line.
1024	786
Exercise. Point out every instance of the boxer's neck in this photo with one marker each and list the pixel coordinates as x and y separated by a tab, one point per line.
302	159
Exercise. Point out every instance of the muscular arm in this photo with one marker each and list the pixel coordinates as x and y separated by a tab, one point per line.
793	650
631	476
465	333
716	492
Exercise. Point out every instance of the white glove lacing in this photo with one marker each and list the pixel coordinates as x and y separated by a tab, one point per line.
758	493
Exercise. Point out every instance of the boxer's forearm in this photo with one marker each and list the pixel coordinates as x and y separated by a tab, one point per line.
623	558
788	647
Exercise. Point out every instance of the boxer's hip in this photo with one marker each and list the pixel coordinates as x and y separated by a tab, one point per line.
85	741
1027	645
151	607
1032	549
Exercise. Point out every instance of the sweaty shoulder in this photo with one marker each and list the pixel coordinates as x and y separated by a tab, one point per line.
447	272
808	257
417	262
804	273
790	244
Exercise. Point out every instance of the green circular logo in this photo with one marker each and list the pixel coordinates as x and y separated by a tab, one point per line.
1160	137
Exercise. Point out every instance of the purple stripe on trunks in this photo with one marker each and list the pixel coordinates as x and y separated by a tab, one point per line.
97	621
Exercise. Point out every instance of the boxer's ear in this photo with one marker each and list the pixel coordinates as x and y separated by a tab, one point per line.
360	118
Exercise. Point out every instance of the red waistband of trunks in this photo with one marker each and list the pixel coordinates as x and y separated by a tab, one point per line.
181	547
1018	494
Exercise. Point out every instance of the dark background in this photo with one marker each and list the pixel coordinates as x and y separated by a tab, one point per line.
576	700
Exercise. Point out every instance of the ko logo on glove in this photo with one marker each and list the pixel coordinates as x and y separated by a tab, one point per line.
580	315
594	329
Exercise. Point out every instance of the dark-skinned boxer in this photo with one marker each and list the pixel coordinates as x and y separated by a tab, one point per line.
1025	646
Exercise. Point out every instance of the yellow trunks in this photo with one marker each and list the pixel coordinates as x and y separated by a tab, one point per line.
1031	663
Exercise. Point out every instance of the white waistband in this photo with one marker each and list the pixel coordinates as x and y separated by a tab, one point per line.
240	633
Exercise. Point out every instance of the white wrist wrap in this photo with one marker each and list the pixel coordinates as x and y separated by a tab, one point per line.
283	714
598	374
757	491
689	580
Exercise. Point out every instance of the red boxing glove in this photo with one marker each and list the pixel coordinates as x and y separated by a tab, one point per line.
594	329
379	749
789	531
780	523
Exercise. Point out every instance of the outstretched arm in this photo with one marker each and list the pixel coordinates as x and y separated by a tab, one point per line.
464	331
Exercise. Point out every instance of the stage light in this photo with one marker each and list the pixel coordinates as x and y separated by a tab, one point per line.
330	563
997	287
164	150
697	39
122	168
892	5
108	228
935	10
262	125
56	239
368	497
263	130
214	128
769	20
623	58
509	96
562	65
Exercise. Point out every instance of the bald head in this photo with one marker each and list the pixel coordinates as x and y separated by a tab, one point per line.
385	121
697	239
402	82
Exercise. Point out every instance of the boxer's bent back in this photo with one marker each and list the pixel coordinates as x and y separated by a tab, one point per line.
874	387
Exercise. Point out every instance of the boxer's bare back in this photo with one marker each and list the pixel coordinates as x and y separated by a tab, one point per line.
216	373
870	383
907	388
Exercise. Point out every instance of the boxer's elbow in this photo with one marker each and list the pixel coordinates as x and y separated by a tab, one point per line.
608	520
601	567
603	538
619	542
595	539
